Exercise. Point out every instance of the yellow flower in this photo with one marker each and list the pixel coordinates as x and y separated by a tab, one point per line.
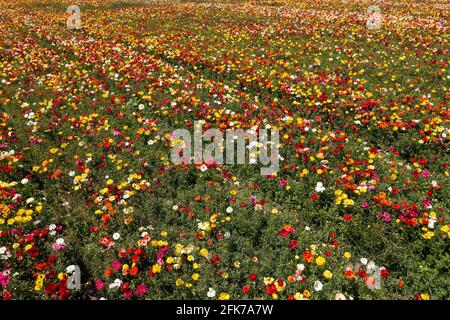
425	296
169	260
179	282
195	276
348	255
327	274
204	252
156	268
268	280
298	296
224	296
320	261
348	202
28	247
163	233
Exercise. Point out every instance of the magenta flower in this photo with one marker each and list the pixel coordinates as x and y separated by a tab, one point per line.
117	265
141	290
99	284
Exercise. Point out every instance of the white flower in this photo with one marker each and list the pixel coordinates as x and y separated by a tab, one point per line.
229	210
24	181
211	293
60	241
227	235
141	107
203	168
30	200
115	284
339	296
301	267
71	173
431	222
318	285
116	236
203	225
52	227
320	187
2	250
371	266
307	228
175	208
363	261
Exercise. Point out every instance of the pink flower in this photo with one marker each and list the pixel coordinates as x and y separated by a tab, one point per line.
425	173
99	284
427	203
128	294
141	290
283	181
4	279
365	205
59	244
116	265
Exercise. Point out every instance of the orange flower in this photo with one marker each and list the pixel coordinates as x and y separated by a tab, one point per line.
108	272
134	271
349	274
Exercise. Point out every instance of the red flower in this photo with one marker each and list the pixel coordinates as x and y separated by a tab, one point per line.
252	277
314	196
50	288
349	274
215	260
246	289
271	289
287	229
308	257
6	295
384	273
362	273
293	244
347	217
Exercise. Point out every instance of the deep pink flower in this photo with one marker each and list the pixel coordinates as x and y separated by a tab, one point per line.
100	284
141	290
117	265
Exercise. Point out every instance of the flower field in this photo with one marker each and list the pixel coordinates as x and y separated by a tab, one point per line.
359	208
